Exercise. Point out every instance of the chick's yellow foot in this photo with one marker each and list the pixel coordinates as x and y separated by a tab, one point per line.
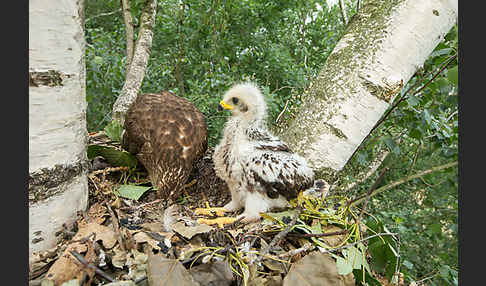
220	221
211	211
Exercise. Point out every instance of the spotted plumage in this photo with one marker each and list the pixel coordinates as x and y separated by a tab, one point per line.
260	170
168	135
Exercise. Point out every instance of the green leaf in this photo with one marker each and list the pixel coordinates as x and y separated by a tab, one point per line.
407	264
114	130
98	60
390	143
354	257
452	75
435	228
368	279
344	266
131	191
114	156
416	133
412	100
361	157
427	116
378	258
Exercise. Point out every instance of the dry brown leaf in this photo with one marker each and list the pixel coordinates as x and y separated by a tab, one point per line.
121	283
67	266
97	213
317	269
274	281
267	281
153	226
103	233
190	231
40	261
217	273
119	259
166	272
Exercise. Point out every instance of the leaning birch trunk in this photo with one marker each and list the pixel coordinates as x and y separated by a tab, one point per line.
141	54
58	186
382	47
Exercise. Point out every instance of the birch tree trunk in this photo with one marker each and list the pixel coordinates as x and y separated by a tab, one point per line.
382	47
58	186
141	54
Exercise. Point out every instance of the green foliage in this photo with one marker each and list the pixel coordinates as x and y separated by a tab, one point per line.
202	47
131	191
421	133
114	130
113	156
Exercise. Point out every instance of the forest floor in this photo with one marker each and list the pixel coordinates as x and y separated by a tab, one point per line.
126	242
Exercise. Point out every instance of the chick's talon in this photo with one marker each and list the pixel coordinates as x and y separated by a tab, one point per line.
220	221
211	211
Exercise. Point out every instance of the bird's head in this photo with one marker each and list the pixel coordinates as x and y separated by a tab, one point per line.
244	100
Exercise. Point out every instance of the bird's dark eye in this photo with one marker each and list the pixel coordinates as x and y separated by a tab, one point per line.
234	100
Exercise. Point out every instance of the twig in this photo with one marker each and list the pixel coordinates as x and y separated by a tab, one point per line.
401	181
319	234
427	278
282	112
380	178
282	234
195	257
372	167
342	7
414	159
117	227
101	15
293	252
98	271
282	87
397	274
362	240
140	279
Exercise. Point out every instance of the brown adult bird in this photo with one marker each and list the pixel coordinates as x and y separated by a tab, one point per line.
168	134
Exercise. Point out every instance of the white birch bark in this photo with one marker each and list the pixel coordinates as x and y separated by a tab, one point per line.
383	46
58	186
141	54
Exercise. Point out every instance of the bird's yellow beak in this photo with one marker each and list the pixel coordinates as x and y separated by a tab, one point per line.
226	106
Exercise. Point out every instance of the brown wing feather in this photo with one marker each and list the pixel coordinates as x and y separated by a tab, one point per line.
168	134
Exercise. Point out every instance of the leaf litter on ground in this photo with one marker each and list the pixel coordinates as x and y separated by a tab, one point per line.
164	247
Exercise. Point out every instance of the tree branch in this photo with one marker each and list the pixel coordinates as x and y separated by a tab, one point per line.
342	7
372	169
404	96
401	181
141	55
368	195
127	16
283	233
